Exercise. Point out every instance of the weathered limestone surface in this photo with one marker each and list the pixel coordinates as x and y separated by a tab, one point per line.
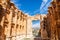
54	12
12	21
29	23
52	21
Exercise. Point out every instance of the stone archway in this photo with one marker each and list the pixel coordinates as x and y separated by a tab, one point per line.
29	23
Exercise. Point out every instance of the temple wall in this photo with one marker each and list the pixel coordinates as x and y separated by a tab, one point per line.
12	22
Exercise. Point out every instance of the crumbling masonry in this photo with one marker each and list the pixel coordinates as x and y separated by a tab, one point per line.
51	23
12	21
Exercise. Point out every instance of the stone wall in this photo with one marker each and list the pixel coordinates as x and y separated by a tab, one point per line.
52	21
12	21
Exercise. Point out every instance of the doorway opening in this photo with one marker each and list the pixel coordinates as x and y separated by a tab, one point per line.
35	27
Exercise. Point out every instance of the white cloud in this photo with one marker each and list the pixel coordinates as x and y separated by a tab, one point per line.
14	1
43	4
36	25
44	0
44	7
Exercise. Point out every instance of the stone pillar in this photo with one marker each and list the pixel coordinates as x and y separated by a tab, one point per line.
14	26
14	20
29	28
8	26
18	27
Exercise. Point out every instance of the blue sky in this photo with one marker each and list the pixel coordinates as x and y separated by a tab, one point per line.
32	7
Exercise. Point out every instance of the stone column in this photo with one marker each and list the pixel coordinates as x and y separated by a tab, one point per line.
29	28
8	27
18	27
14	27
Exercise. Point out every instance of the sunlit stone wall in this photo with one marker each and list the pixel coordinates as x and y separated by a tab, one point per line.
52	22
12	21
